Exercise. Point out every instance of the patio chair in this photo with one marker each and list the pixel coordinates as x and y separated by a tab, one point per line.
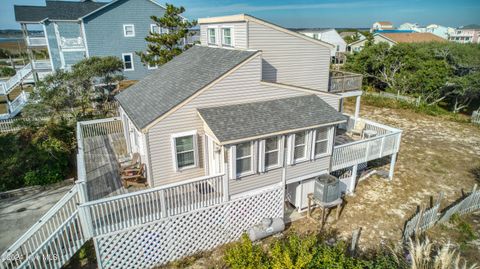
134	176
358	128
134	163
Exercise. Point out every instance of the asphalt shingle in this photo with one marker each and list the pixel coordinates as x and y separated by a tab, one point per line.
56	10
243	121
177	80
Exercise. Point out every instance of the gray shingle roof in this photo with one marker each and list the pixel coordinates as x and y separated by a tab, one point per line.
56	10
243	121
177	80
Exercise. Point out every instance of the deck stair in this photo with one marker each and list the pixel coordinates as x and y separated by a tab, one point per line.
8	86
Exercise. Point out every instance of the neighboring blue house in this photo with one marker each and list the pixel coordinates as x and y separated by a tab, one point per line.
81	29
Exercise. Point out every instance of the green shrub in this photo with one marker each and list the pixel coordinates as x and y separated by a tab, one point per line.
245	254
7	71
36	156
298	252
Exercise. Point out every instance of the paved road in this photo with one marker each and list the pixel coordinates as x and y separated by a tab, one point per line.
18	214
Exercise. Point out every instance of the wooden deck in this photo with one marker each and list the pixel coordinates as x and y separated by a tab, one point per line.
102	155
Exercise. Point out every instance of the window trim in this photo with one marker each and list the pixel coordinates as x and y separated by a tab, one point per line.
155	25
252	162
328	139
305	144
125	30
279	154
232	43
215	29
149	67
131	59
174	150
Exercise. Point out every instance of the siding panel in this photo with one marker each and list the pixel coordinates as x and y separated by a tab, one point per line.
289	59
256	181
308	167
104	31
239	33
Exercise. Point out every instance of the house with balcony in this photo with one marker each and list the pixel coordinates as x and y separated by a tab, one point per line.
466	34
75	30
230	132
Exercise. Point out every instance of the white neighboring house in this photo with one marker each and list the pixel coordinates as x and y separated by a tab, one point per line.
381	25
330	36
440	30
436	29
411	26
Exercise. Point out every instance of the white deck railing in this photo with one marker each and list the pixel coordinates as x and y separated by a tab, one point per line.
18	103
124	211
26	245
7	86
42	65
36	41
386	142
59	247
72	43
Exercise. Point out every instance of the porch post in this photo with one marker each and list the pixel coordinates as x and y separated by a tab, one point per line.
392	166
353	181
357	107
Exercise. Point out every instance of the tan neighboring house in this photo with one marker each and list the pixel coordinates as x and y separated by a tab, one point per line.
395	38
381	25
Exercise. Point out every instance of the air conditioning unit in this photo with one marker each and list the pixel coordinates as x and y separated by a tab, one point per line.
327	188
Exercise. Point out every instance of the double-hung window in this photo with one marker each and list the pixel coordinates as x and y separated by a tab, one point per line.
227	37
321	141
154	29
300	146
127	61
244	158
128	30
185	150
272	152
212	36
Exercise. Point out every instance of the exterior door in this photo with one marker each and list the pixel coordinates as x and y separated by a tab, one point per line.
214	153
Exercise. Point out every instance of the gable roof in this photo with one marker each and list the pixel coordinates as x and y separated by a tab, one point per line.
471	26
247	121
385	23
412	37
56	10
246	17
176	81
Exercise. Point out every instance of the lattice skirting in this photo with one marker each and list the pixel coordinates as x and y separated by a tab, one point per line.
186	234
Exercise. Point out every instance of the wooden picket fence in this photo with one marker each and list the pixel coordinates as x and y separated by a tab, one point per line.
476	117
427	218
8	126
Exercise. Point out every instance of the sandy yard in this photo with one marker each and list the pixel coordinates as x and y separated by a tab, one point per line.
435	156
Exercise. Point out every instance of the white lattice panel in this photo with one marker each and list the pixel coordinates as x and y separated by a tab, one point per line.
182	235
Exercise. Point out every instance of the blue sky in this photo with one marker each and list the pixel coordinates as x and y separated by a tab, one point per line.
320	13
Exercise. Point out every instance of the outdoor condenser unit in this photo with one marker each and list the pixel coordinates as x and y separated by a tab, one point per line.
327	188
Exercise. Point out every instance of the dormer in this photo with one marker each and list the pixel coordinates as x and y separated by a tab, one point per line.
224	32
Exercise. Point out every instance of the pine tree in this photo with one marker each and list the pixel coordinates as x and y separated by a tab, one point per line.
168	38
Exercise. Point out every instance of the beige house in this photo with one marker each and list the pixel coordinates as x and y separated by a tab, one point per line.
231	132
381	25
395	38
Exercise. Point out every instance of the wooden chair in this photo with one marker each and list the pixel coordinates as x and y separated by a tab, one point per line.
134	163
358	128
134	176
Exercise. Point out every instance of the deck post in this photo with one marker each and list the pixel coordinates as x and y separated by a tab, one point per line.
357	108
392	166
351	187
84	211
163	204
225	188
